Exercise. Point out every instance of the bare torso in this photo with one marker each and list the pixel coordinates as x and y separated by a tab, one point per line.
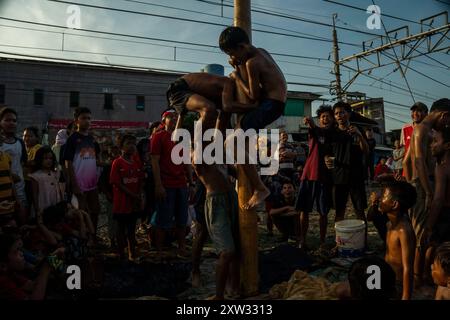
421	133
207	85
212	178
394	249
272	80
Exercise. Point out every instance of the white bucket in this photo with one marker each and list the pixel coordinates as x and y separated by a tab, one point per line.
350	237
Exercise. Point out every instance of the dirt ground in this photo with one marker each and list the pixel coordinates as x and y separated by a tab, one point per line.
326	266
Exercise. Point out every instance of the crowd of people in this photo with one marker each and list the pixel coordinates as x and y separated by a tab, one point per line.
49	196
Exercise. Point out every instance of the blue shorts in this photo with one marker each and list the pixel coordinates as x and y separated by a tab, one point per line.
267	112
221	216
313	191
173	211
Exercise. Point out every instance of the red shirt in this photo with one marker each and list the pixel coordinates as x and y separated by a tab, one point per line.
131	175
380	169
407	131
172	175
315	169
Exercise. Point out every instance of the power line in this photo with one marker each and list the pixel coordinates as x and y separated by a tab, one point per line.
384	14
395	119
140	57
418	72
264	6
361	9
161	45
396	57
219	16
285	16
375	78
423	97
444	66
196	21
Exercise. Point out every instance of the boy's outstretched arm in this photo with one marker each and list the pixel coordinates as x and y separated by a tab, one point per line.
252	90
408	244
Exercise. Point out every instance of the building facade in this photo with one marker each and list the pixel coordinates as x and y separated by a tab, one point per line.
48	92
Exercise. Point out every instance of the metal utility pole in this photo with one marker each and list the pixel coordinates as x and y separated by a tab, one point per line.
248	223
433	36
337	70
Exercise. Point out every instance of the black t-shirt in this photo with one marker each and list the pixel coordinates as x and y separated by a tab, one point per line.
280	202
349	167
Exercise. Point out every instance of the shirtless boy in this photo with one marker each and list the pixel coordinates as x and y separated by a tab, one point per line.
261	80
400	240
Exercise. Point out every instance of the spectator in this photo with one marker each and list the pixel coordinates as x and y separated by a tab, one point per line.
349	148
31	140
441	271
171	192
398	154
381	168
316	184
284	215
15	148
418	112
356	286
287	156
371	155
14	285
45	180
7	195
81	155
127	179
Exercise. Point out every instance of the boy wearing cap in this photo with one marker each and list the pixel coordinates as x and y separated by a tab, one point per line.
418	112
171	192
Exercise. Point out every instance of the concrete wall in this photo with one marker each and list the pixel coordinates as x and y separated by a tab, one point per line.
57	80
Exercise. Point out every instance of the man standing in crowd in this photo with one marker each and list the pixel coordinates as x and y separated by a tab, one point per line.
171	192
418	112
349	148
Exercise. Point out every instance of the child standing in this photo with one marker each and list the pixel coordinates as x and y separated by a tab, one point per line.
7	194
397	198
45	184
127	179
15	148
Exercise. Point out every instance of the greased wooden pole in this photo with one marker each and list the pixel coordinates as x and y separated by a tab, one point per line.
248	225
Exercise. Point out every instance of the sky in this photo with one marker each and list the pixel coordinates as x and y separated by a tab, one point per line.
150	30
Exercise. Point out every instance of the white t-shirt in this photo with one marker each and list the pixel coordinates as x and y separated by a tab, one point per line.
17	153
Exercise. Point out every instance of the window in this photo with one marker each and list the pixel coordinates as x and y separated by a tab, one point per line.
108	101
74	99
2	93
140	103
38	97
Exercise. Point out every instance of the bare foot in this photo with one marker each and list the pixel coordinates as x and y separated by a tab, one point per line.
196	280
257	198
